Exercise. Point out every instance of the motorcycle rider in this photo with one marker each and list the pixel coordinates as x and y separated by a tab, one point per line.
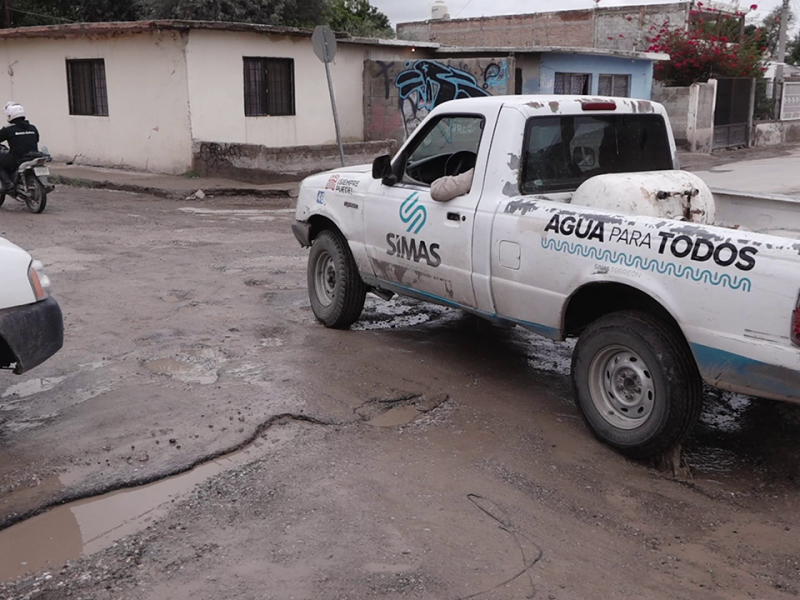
22	137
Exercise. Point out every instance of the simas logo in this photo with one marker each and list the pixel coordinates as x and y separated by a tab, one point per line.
413	214
331	185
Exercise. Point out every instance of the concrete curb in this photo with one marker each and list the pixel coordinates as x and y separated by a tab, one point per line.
273	194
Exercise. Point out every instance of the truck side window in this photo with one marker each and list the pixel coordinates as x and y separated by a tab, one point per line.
448	146
560	153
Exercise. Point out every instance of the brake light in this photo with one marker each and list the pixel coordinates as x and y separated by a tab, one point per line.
599	106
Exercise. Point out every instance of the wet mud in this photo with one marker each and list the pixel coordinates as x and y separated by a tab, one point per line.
190	330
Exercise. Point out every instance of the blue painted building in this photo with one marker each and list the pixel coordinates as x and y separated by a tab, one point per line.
555	70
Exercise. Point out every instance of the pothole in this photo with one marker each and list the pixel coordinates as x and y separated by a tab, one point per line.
31	387
399	312
192	366
87	526
398	410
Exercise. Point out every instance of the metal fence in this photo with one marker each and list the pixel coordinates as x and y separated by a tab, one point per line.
768	101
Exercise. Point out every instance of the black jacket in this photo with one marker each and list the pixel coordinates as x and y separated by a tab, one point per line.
22	137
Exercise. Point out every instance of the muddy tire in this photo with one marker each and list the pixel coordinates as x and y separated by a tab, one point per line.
36	199
335	288
636	383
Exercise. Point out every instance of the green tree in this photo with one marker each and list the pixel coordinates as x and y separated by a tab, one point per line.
771	28
359	18
48	12
793	50
293	13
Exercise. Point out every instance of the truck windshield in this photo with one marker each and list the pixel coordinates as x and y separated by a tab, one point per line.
562	152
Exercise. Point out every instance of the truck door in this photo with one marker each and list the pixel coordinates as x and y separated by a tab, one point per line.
413	242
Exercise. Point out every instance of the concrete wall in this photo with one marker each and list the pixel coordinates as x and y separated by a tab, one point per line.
628	27
623	28
776	133
216	90
148	123
399	95
531	66
676	101
700	120
641	71
259	164
571	28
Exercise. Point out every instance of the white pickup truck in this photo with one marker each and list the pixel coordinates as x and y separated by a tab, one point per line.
31	325
577	224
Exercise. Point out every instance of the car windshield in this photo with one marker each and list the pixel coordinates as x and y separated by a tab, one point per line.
563	152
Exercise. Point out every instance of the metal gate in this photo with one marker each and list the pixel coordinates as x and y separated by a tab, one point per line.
734	112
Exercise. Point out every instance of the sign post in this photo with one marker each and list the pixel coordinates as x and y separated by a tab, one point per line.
324	43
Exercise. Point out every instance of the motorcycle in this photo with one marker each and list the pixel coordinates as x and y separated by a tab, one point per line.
31	180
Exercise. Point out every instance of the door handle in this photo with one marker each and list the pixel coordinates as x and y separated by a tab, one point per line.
453	216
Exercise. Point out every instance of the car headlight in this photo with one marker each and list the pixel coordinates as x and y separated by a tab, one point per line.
40	283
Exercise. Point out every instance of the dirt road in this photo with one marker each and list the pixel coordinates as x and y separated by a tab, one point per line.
424	454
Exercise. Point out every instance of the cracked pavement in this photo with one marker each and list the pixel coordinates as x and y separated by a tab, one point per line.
340	464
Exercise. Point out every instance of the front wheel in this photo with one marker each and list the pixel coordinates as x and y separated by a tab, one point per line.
636	383
335	288
35	194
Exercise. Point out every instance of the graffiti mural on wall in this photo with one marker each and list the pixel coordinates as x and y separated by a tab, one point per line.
425	84
399	95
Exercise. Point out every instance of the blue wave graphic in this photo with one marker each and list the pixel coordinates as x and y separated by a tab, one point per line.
413	212
649	264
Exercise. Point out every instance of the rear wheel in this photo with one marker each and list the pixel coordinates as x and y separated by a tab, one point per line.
335	288
636	383
36	194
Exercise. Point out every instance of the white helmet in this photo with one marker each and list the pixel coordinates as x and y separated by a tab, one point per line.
13	111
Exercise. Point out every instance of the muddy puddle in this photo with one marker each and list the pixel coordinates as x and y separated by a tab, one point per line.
738	438
400	312
80	528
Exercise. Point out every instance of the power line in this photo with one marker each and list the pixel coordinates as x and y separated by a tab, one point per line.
462	10
33	14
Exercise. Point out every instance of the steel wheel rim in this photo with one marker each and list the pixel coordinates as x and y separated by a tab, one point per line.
34	196
621	387
325	278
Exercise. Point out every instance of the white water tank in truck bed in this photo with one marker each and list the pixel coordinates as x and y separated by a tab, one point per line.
663	194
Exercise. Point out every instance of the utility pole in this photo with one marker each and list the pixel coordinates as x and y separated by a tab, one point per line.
8	14
781	58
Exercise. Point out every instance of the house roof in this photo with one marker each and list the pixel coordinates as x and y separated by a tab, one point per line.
116	28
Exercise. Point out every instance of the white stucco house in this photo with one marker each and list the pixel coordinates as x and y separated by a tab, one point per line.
251	101
144	95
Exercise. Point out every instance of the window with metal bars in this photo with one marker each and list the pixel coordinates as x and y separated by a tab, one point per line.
572	83
86	85
268	87
614	85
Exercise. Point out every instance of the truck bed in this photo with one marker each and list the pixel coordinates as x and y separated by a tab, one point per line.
770	214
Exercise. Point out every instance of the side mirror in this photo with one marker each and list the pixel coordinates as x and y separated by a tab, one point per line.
382	167
584	157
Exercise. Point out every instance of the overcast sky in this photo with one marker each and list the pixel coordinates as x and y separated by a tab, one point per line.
418	10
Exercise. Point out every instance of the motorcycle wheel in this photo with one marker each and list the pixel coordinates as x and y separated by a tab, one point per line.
36	197
2	199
